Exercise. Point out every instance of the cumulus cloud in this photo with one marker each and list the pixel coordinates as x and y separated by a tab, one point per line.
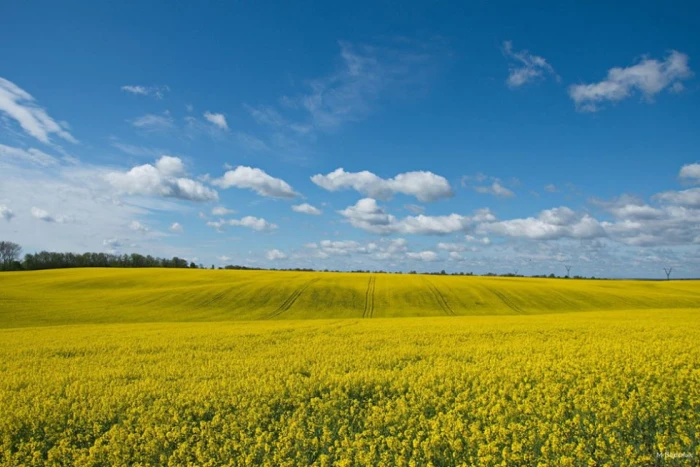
382	250
256	180
274	255
648	77
426	255
525	67
425	186
675	225
690	172
306	208
176	227
688	198
6	213
494	186
136	226
19	105
630	208
551	224
155	91
495	189
366	214
222	211
162	179
42	215
250	222
216	119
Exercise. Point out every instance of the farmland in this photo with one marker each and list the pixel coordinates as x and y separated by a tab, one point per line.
79	296
179	367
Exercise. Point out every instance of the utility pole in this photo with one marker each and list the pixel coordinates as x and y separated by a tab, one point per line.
668	273
568	269
516	272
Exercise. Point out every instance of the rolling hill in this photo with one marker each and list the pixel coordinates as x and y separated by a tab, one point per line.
75	296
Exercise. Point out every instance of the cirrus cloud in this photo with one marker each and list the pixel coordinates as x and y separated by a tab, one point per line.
21	106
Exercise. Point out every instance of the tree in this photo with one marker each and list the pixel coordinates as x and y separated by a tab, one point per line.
9	253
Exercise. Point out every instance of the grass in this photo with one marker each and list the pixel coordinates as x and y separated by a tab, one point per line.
73	296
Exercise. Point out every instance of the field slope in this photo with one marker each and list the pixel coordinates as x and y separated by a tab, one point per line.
75	296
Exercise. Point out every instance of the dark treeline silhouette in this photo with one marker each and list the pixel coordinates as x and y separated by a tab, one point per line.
50	260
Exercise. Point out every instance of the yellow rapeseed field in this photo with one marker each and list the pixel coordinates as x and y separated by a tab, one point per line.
513	384
73	296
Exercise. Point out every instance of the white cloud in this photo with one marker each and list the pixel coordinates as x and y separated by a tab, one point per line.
151	122
85	209
649	77
369	216
138	227
451	246
21	106
425	186
551	224
274	255
495	189
426	255
224	259
161	180
365	75
628	207
176	227
690	172
250	222
525	67
216	119
222	211
256	180
689	198
382	250
551	188
44	215
306	208
170	166
155	91
6	213
112	243
31	155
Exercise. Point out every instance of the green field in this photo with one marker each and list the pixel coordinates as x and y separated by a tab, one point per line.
72	296
127	367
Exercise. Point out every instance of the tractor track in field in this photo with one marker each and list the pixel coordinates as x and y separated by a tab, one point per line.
287	304
440	298
369	298
509	303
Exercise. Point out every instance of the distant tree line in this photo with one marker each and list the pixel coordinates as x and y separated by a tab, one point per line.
10	260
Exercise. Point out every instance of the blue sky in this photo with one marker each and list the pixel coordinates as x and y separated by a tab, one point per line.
474	137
